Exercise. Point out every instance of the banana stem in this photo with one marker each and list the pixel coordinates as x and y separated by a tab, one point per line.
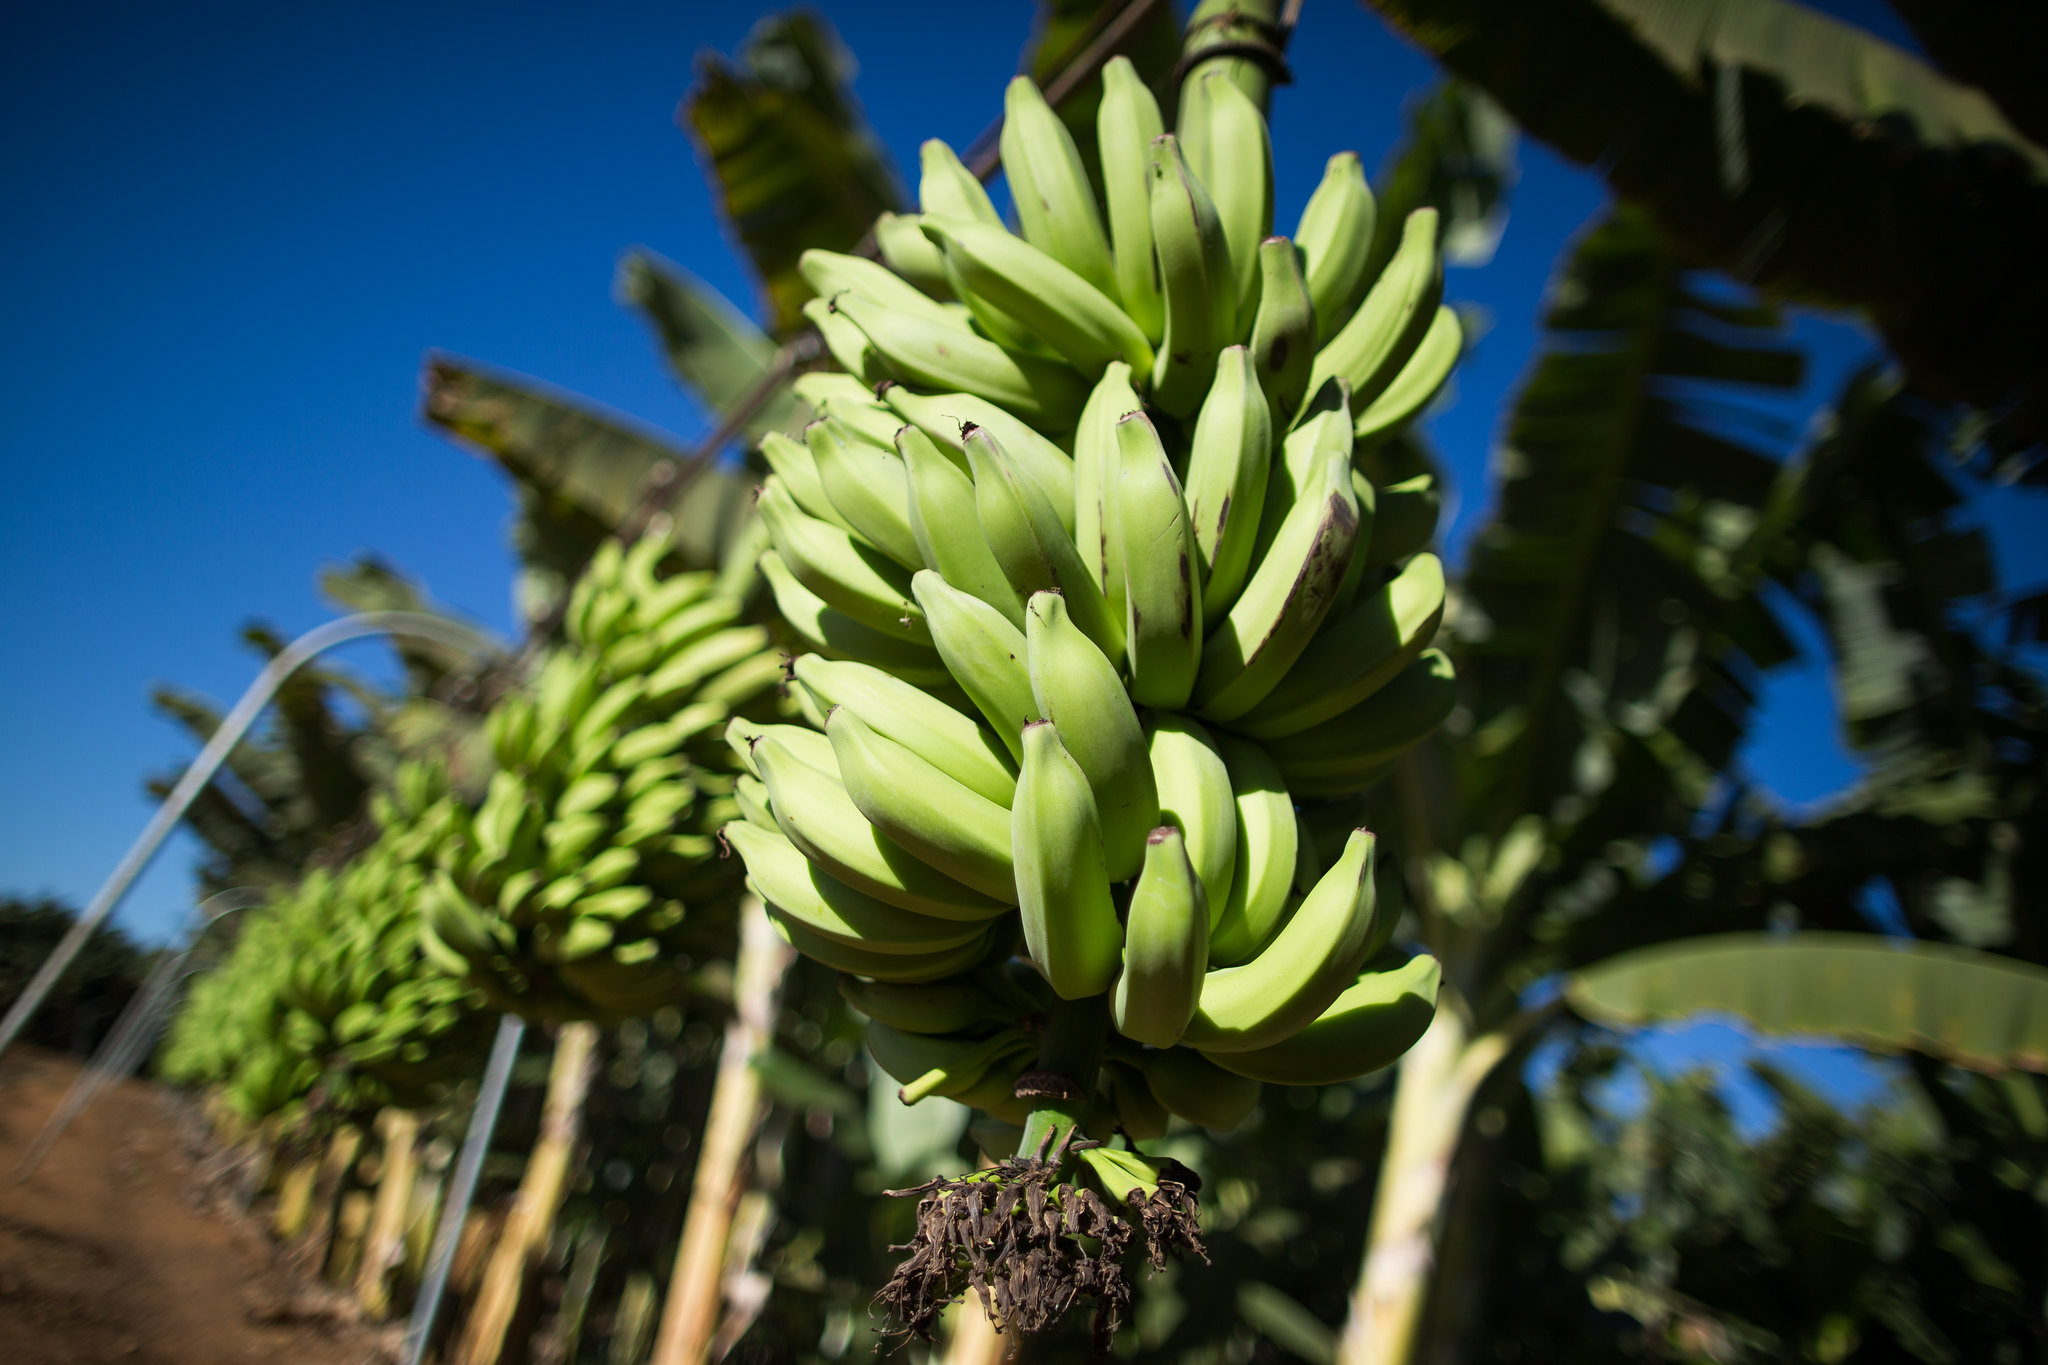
1071	1050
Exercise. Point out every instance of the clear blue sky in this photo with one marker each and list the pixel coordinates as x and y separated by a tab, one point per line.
236	228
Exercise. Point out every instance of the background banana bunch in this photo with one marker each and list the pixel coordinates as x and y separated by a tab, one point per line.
1108	560
562	895
328	986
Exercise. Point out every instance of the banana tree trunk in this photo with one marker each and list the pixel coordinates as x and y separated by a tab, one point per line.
540	1197
382	1249
1432	1100
695	1292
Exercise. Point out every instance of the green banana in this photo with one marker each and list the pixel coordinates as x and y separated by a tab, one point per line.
984	654
904	967
847	343
752	798
1166	945
866	419
866	486
1195	1088
1080	322
832	273
1367	1027
1049	187
1354	655
1096	462
822	388
824	905
1335	240
958	747
929	1008
1138	1112
1224	137
947	187
905	250
1306	966
692	664
1405	519
1350	749
1028	540
1162	573
1077	688
947	528
967	1073
1229	459
945	417
843	572
832	630
1287	598
815	812
1283	342
1418	382
1396	315
918	808
1195	796
1195	278
919	351
1070	923
1125	123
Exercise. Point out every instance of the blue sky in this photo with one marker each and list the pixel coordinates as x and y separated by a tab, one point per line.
235	229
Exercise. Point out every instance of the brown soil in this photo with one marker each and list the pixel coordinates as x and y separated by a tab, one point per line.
118	1249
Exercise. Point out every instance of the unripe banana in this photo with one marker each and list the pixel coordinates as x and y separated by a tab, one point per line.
1335	239
1229	460
816	814
821	903
947	528
1049	187
1350	749
944	357
848	345
846	573
1166	945
1195	795
1195	278
832	273
1096	462
688	625
1396	315
949	188
1028	540
919	808
692	664
1224	137
832	630
1138	1112
1283	342
752	798
984	654
958	747
905	250
824	388
936	1007
1080	322
1404	519
906	967
945	418
866	485
863	419
1305	968
1322	429
1356	654
1063	899
1197	1089
1286	600
1162	578
1077	688
1419	381
1125	123
1368	1027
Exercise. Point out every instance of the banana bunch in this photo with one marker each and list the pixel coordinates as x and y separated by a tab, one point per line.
1107	560
561	894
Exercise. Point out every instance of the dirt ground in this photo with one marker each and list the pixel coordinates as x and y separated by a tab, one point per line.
118	1250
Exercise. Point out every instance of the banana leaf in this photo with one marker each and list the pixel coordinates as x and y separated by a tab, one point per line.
1802	154
713	349
367	583
1977	1010
1995	45
792	154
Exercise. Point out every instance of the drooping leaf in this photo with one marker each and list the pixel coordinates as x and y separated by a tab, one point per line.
795	161
1978	1010
1995	45
713	349
1803	154
368	583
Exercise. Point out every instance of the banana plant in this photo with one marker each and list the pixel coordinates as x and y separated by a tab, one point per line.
1804	155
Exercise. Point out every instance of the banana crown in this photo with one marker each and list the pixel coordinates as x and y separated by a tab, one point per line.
1107	562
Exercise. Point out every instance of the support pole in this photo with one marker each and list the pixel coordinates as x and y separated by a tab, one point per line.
417	624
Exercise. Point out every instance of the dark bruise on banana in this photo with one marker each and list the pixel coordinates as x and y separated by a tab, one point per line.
1137	521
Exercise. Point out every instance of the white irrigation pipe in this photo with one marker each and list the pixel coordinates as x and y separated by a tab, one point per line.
417	624
134	1032
483	1120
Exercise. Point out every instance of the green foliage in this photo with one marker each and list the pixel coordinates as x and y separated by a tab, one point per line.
93	990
